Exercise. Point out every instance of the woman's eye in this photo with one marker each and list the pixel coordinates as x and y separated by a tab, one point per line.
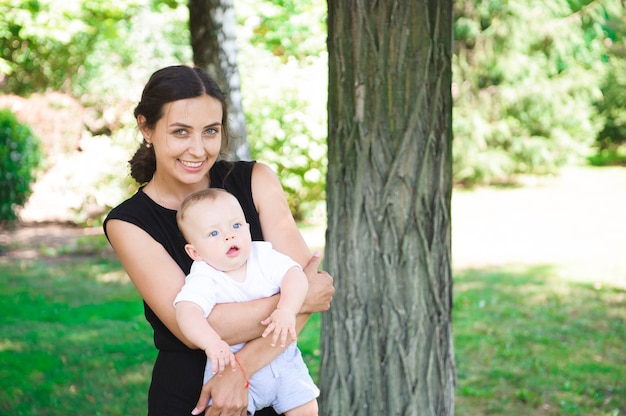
180	132
213	234
211	131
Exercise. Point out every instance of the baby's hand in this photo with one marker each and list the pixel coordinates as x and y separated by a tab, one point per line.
220	355
282	323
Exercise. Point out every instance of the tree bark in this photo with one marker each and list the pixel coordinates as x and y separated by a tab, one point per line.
213	27
387	340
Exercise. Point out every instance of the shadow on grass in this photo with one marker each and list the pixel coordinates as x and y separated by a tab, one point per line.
530	343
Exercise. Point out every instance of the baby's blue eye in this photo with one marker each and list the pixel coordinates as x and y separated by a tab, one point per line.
213	233
236	225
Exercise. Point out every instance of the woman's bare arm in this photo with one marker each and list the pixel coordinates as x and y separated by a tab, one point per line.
279	228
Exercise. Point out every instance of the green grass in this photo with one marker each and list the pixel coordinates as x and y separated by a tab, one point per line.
529	343
73	340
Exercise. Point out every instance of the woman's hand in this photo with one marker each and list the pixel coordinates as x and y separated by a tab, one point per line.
228	392
321	288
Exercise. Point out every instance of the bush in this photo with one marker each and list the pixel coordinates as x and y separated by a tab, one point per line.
523	93
286	126
612	107
20	156
284	99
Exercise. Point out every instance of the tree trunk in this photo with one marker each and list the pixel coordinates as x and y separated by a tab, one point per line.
213	27
387	340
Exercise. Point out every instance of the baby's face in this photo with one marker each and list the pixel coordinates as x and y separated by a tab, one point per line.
219	233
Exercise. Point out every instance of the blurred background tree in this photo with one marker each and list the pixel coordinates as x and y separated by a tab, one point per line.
528	84
213	28
537	85
611	139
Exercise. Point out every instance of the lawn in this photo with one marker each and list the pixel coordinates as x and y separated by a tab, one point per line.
539	313
73	340
528	342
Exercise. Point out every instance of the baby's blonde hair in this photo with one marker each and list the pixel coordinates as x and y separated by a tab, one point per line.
210	194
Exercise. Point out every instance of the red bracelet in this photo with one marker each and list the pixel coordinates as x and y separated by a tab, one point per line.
243	372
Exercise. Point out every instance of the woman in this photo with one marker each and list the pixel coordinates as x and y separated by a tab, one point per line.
182	117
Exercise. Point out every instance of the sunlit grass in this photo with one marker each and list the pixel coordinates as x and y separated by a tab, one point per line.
530	343
73	340
70	343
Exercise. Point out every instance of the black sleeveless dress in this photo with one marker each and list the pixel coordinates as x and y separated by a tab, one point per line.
178	370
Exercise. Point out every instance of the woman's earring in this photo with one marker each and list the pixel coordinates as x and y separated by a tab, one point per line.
148	145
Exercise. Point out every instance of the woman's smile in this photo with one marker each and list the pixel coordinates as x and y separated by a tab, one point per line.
192	165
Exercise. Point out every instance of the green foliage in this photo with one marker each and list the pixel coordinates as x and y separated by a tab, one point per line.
526	77
83	47
612	107
285	28
609	157
152	35
101	53
20	156
285	98
286	132
611	140
46	42
535	83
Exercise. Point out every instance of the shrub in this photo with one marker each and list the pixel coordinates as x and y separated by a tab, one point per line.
284	99
286	124
524	92
20	156
612	107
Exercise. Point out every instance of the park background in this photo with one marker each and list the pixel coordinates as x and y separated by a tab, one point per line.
538	228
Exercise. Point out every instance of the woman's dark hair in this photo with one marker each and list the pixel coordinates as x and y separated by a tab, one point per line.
169	84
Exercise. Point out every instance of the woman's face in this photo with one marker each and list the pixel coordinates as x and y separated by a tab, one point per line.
187	139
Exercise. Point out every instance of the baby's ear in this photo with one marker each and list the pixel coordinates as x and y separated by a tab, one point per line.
191	252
